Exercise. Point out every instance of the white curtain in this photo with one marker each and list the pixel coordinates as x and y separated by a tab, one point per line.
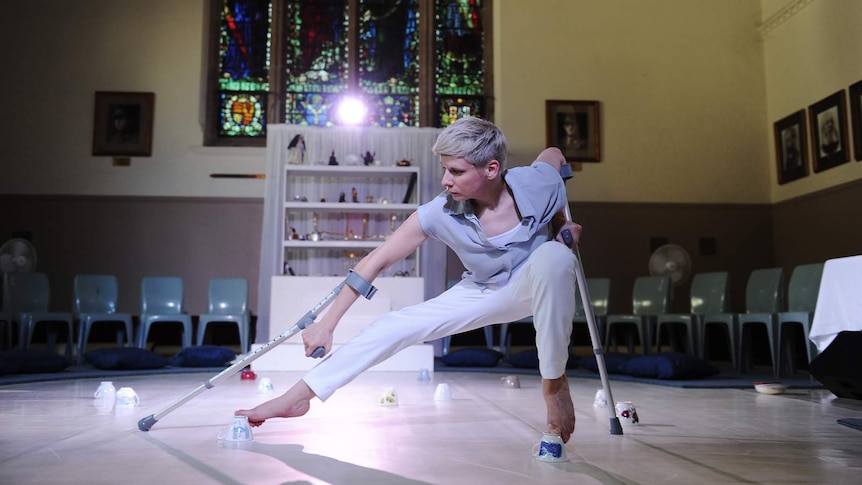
389	145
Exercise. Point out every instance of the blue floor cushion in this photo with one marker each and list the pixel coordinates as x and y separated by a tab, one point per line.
203	356
666	365
669	365
614	363
472	357
124	358
31	361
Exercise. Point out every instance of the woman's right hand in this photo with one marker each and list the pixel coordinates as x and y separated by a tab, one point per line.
315	336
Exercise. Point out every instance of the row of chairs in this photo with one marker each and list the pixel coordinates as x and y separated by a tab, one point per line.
651	318
766	305
26	303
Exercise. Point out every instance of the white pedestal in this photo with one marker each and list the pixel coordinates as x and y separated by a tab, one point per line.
294	296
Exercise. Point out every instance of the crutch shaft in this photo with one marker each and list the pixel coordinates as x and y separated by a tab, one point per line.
595	339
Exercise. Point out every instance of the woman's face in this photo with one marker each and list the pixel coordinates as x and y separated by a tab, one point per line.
461	178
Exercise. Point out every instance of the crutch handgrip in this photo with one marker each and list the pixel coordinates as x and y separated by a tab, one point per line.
567	237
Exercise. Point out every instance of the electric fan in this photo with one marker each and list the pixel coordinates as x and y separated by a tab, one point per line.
17	256
670	260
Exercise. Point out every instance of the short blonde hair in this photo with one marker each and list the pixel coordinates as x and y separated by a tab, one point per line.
476	140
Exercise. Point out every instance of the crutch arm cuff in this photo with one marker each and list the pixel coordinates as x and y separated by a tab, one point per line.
359	284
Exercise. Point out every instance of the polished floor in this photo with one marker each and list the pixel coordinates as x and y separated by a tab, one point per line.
55	432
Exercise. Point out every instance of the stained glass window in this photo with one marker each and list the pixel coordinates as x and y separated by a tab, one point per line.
293	61
243	67
388	58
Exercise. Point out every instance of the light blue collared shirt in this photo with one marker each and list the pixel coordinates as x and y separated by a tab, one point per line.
539	193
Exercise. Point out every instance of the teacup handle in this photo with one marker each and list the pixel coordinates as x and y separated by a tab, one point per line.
137	399
536	449
223	432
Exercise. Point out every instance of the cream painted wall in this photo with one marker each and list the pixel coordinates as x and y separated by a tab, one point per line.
811	55
681	84
79	48
685	112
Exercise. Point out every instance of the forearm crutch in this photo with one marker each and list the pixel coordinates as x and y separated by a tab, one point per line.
353	280
616	428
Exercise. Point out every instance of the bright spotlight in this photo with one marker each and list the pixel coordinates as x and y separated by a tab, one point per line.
351	111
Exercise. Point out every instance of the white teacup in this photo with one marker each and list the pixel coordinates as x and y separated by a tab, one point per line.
126	396
601	399
105	391
443	393
512	382
238	430
265	386
550	449
627	413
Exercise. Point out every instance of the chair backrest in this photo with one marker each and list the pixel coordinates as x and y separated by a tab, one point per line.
599	289
764	292
227	296
25	292
95	293
710	293
162	295
651	295
804	287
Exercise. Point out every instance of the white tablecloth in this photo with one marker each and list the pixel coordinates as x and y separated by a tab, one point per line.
839	302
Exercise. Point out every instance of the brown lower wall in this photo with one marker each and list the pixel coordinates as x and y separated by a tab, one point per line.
198	239
134	237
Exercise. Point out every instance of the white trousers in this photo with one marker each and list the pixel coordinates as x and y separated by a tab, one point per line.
543	287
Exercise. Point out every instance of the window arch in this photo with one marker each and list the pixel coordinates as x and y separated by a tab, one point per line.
296	61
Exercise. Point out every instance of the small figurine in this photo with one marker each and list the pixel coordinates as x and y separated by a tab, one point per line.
369	158
369	199
403	163
296	151
332	159
354	194
341	197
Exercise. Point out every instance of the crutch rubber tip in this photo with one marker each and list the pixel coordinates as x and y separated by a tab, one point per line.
318	353
146	423
616	427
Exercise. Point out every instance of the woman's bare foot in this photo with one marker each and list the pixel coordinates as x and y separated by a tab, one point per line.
293	403
561	410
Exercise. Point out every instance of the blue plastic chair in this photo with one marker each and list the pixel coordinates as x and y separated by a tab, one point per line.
162	302
801	301
600	294
764	299
709	294
95	302
650	297
26	301
227	301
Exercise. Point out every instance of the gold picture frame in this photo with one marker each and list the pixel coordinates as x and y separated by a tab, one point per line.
573	127
123	124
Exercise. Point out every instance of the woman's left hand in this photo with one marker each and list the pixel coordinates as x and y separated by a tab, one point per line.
574	229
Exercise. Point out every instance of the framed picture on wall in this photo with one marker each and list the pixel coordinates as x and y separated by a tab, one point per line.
791	150
123	124
829	142
573	127
856	118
